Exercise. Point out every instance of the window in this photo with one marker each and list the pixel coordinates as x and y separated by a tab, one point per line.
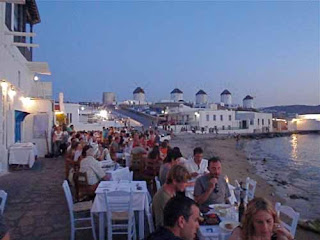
262	122
222	126
214	117
229	127
230	117
268	121
221	117
208	117
251	122
70	120
8	15
258	121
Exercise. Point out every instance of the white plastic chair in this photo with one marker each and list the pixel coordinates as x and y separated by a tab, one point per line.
81	206
120	215
3	198
150	218
251	188
289	213
158	184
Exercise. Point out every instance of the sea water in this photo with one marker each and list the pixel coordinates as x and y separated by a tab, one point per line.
292	166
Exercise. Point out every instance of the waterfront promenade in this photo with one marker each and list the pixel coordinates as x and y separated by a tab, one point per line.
36	207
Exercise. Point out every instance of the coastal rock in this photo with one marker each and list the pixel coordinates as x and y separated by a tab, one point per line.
294	196
280	182
313	225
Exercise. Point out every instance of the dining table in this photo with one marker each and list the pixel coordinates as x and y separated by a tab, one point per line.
227	214
140	201
23	154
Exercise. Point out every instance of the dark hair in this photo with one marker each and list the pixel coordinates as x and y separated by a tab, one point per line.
164	144
197	150
169	156
176	207
84	150
176	153
155	153
213	160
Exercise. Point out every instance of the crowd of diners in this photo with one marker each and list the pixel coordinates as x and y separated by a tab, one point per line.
176	216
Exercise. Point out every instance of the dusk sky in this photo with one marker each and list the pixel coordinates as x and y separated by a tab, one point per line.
267	49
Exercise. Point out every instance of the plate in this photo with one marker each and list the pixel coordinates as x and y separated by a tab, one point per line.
220	206
229	226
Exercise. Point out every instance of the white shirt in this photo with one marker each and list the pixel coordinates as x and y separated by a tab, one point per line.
93	169
193	167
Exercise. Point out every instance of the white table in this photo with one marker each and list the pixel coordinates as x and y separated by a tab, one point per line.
140	201
22	153
213	233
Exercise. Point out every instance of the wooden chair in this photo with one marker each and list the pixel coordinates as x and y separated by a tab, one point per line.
137	164
83	189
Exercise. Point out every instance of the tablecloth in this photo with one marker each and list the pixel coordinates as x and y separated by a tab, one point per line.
140	201
22	153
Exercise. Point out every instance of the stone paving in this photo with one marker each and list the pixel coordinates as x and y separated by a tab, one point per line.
36	207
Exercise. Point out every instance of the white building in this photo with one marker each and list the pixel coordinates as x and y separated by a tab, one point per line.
201	98
306	122
26	108
254	122
176	95
139	96
225	121
72	113
225	98
248	102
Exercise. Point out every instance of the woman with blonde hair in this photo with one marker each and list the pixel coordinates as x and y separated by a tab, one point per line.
260	222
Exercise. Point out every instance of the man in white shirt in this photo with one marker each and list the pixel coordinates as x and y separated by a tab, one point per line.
93	169
197	165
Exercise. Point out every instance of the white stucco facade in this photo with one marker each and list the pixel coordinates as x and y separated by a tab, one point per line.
226	99
307	122
248	103
72	112
201	99
140	98
21	94
225	121
176	97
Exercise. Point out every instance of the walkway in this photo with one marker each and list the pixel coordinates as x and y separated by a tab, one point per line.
36	206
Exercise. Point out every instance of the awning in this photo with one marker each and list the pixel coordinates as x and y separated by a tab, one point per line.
39	67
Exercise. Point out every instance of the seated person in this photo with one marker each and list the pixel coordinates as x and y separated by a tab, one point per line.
172	159
197	165
92	167
153	162
181	220
177	179
211	188
260	221
115	148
